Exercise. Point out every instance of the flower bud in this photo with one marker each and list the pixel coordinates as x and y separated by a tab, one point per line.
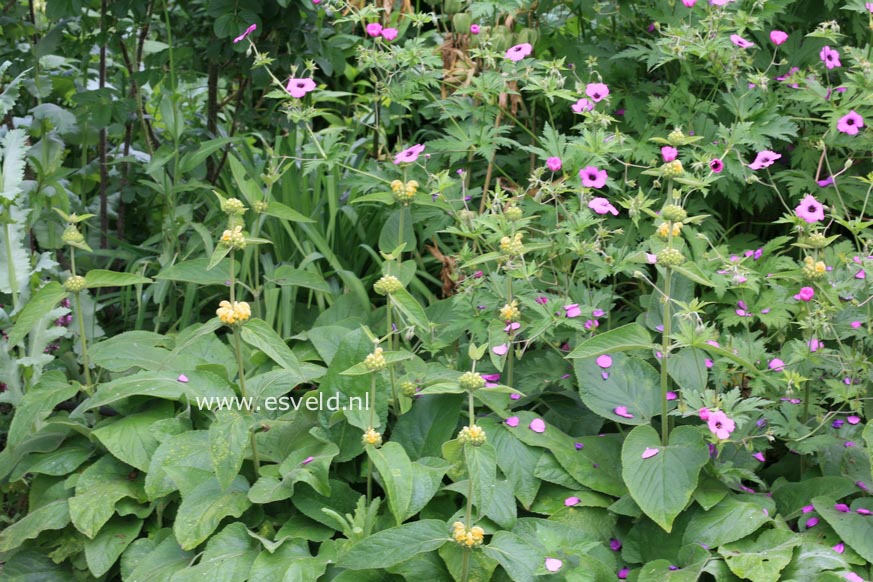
75	284
471	381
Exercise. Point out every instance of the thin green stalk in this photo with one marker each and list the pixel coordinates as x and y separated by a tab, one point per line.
10	264
390	324
510	356
242	390
665	348
372	425
468	513
85	362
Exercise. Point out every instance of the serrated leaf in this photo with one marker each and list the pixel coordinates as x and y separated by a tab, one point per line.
46	299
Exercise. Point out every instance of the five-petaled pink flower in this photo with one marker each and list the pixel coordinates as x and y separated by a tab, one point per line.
741	42
850	123
764	159
409	155
475	29
689	3
582	105
374	29
602	206
592	177
518	52
776	365
554	164
669	153
572	310
777	37
389	34
810	209
597	91
247	32
716	165
830	57
720	425
299	87
805	294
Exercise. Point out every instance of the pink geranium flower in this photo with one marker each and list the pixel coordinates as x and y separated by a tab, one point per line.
764	159
720	425
850	123
475	29
810	209
778	37
741	42
689	3
247	32
389	34
518	52
299	87
592	177
830	57
669	153
716	165
582	105
805	294
409	155
602	206
554	164
597	91
374	29
572	310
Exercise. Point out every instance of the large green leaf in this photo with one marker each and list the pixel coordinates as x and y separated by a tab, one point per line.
395	469
763	558
36	405
188	450
662	484
279	210
228	557
101	278
397	544
161	562
165	385
287	275
203	508
197	271
98	489
482	469
258	333
735	517
131	439
629	382
46	299
103	551
854	529
632	336
55	515
519	558
516	460
34	566
411	309
429	424
228	441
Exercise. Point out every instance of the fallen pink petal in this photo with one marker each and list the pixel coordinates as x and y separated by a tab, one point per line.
512	421
553	564
650	452
538	425
622	411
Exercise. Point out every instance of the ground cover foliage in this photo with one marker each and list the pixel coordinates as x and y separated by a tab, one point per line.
458	290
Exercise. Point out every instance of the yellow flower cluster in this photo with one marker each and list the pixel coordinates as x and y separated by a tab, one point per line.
475	435
673	169
404	193
664	229
234	238
234	206
231	313
512	246
387	285
468	538
814	269
375	361
510	311
371	437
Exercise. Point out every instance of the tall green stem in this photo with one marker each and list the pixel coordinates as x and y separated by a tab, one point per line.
372	426
10	265
390	323
85	362
468	514
665	352
237	346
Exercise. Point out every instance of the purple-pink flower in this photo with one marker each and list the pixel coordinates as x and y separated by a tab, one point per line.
597	91
810	209
716	165
518	52
805	294
409	155
764	159
720	425
299	87
582	105
247	32
554	164
777	37
689	3
592	177
741	42
850	123
602	206
389	34
474	29
374	29
776	365
572	310
669	153
830	57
